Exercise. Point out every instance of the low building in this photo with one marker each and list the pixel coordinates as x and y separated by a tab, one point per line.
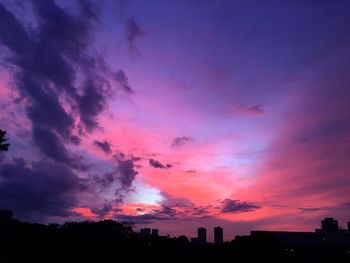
329	224
155	232
329	233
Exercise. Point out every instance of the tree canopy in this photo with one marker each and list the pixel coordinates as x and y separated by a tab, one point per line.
4	146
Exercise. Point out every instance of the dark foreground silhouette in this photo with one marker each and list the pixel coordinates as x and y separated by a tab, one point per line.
111	241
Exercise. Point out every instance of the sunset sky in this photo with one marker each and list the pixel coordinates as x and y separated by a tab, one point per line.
177	114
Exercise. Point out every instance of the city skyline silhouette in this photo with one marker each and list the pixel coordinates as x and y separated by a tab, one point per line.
109	240
328	226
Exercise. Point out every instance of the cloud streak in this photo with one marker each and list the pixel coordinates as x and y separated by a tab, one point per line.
121	78
133	32
156	164
180	141
236	206
104	146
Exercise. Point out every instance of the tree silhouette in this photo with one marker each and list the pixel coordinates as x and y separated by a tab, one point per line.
3	145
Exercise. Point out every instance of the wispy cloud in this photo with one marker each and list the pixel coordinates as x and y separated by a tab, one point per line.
179	141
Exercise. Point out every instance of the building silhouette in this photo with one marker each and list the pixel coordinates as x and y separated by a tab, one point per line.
328	234
218	235
349	227
202	235
144	232
329	224
155	232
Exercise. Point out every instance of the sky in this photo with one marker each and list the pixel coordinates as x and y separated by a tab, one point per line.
177	114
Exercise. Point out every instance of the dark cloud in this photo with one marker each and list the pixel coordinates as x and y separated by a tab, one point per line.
121	78
143	219
119	156
127	173
121	178
133	31
106	180
45	62
126	170
50	144
92	102
45	110
106	208
257	109
181	210
40	189
191	171
191	210
135	158
104	146
167	211
156	164
236	206
203	211
177	208
246	111
179	141
88	9
64	85
163	214
185	208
